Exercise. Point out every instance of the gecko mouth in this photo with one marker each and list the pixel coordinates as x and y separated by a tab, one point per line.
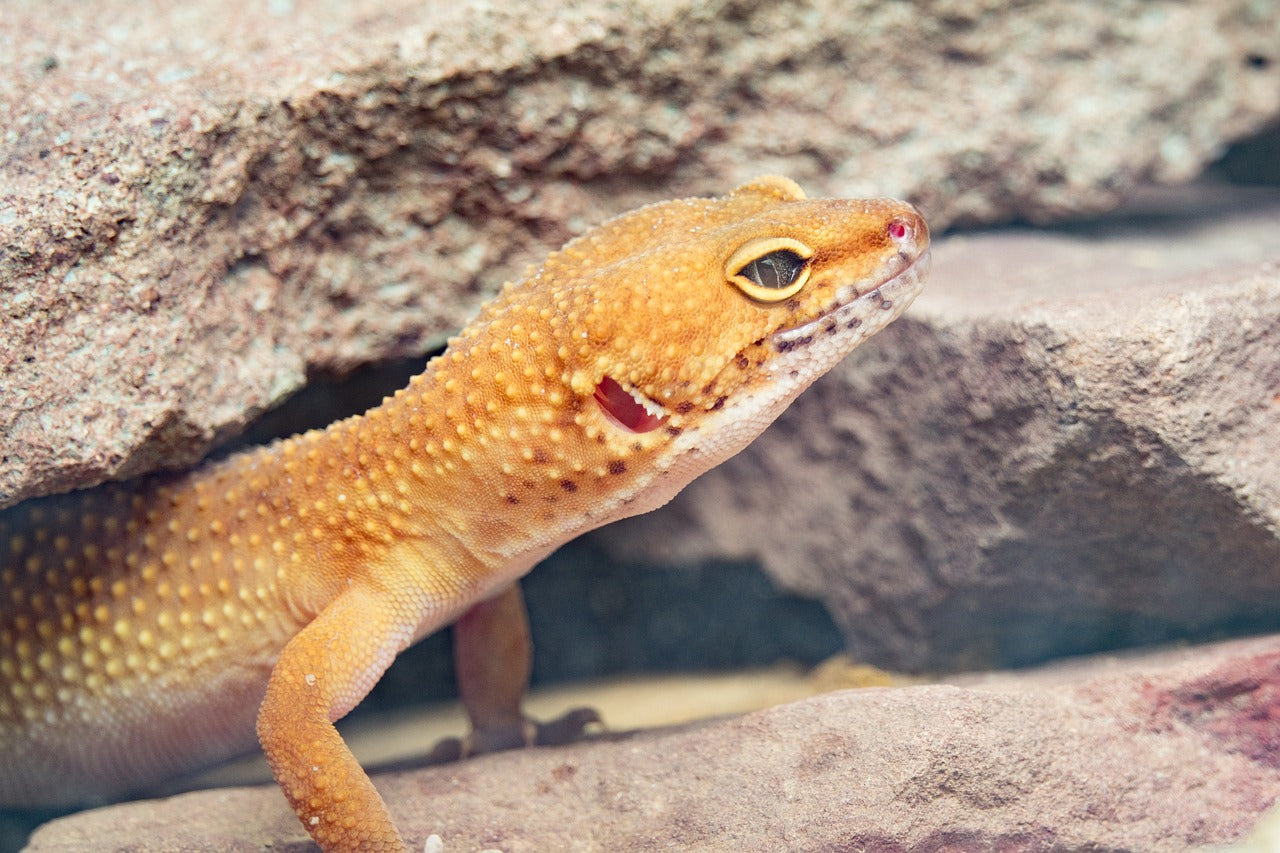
628	408
850	309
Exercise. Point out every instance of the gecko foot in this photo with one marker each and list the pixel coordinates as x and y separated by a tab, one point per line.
564	729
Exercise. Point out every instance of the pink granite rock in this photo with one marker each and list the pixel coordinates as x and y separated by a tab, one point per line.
1163	752
201	206
1068	444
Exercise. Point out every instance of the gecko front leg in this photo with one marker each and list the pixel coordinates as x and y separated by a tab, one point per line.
323	672
493	657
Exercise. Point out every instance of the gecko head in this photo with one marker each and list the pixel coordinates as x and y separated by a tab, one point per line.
701	313
663	341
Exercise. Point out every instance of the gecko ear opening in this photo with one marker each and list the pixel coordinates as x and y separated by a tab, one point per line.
771	269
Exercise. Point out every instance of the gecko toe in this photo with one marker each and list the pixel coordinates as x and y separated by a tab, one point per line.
568	727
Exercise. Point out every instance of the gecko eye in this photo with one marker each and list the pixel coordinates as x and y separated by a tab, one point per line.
770	270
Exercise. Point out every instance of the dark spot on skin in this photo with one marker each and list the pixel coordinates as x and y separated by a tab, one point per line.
512	499
853	324
789	345
707	389
637	447
719	404
742	361
684	407
829	328
793	304
540	457
617	466
569	485
575	404
600	438
674	430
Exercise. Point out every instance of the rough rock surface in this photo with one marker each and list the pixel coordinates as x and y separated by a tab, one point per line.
1167	752
201	205
1068	444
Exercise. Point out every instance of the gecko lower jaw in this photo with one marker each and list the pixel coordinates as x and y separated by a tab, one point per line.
850	308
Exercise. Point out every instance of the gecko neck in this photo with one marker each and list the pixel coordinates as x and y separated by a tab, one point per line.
504	459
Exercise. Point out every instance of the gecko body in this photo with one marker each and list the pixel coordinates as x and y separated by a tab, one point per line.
153	627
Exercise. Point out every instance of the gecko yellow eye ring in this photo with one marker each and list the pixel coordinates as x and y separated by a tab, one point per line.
770	270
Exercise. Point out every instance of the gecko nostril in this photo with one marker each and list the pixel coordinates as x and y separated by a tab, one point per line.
899	229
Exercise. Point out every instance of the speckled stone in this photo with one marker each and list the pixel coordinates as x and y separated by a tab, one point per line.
1163	752
201	206
1067	445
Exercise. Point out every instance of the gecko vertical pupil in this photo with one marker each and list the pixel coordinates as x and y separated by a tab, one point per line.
775	270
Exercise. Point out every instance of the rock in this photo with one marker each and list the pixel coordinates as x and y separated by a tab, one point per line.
1067	445
201	209
1161	752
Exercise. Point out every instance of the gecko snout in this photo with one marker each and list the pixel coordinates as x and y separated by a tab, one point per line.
910	232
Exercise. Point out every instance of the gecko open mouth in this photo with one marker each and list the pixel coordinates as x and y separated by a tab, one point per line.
628	408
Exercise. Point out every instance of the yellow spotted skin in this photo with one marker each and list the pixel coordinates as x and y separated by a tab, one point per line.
145	628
